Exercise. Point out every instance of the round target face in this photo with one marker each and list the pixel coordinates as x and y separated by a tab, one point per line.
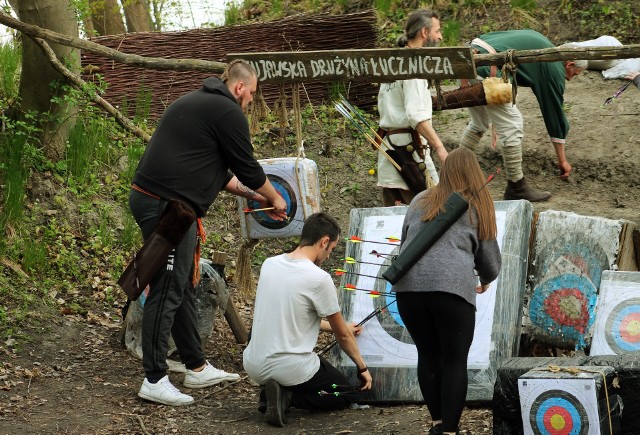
623	327
564	306
558	412
589	258
286	191
389	319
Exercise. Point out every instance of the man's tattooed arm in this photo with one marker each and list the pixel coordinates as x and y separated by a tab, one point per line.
246	192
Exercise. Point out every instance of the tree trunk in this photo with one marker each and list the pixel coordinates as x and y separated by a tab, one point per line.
37	76
106	17
137	14
157	7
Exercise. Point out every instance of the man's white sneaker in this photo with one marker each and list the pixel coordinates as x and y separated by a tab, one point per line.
207	377
163	392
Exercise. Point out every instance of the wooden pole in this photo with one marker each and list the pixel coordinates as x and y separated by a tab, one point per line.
522	56
231	315
560	53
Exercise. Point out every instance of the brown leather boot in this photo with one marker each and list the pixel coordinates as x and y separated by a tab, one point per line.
520	190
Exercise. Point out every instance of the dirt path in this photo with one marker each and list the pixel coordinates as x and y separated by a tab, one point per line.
75	377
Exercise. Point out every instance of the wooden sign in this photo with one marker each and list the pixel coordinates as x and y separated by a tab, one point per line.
373	65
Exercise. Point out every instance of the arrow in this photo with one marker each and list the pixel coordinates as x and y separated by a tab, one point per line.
351	260
620	90
340	272
380	254
392	240
253	210
344	112
362	322
372	293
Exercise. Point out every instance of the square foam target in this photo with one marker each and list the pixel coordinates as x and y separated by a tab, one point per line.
570	254
617	325
567	401
296	180
385	343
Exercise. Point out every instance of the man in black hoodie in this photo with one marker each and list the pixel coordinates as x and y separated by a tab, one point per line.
201	146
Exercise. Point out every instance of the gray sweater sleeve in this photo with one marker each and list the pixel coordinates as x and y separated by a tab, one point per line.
488	260
636	81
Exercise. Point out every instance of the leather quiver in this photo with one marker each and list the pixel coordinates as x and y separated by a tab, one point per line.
176	220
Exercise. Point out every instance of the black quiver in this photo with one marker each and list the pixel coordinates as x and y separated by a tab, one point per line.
174	223
454	207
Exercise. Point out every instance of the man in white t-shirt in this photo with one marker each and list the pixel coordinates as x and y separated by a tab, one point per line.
293	296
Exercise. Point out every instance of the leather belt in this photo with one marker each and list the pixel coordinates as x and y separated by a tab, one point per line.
400	131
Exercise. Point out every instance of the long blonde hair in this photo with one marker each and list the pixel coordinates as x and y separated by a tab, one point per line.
461	173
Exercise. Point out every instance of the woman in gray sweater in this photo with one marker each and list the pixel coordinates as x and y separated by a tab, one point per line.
436	297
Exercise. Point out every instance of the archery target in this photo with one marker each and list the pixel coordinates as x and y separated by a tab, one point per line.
385	343
390	318
296	180
617	326
559	406
385	340
571	254
564	306
623	327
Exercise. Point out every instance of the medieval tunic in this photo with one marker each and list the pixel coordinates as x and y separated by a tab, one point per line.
546	79
403	104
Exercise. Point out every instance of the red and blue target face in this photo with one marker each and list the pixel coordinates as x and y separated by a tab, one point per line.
623	327
564	307
286	191
557	412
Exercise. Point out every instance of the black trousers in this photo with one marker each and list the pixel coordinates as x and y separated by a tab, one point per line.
169	307
441	325
308	394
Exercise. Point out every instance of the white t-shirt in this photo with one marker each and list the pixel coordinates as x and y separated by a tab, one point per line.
402	104
292	297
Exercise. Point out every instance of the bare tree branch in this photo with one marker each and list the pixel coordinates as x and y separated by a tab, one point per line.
86	88
129	59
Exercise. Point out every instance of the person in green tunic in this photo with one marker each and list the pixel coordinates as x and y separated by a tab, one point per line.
547	81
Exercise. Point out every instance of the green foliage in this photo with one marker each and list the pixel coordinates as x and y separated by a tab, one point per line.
10	61
232	13
383	6
18	153
130	237
276	8
526	5
451	33
617	18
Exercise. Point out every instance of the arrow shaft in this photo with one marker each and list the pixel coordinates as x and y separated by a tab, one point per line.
370	316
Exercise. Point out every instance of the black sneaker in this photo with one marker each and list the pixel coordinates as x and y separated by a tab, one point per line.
276	406
436	430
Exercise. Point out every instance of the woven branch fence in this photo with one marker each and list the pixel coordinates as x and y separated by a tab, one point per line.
296	33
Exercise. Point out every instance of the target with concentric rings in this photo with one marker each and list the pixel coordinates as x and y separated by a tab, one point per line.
286	191
623	327
564	307
558	412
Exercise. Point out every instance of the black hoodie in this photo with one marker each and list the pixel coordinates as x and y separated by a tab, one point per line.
200	137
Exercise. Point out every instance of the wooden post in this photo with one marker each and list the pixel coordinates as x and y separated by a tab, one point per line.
238	328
